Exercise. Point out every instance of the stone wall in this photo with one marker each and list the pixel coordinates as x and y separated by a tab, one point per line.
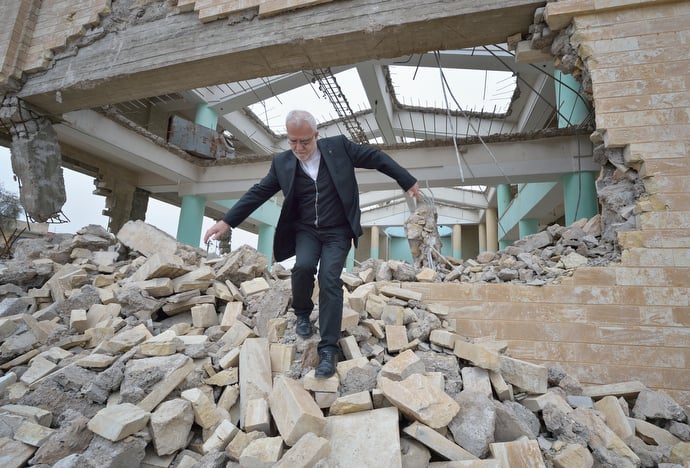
631	320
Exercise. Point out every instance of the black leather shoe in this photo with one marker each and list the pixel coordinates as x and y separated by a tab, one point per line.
326	367
303	326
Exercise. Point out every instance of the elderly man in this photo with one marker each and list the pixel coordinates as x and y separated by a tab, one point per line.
319	219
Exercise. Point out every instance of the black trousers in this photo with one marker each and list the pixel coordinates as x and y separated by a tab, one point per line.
326	248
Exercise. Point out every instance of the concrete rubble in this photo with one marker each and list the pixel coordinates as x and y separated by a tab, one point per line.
135	350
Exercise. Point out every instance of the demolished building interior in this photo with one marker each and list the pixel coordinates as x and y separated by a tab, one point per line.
559	293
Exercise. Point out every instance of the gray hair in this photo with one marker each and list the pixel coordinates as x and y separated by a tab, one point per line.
298	117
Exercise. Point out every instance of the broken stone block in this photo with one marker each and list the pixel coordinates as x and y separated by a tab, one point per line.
240	442
118	421
328	385
170	425
374	327
537	403
262	453
32	434
40	367
522	452
655	405
401	293
602	437
5	381
204	316
276	329
230	359
14	454
358	298
220	438
308	450
654	435
126	339
282	356
237	334
350	280
527	376
32	413
418	399
396	338
254	286
146	239
344	367
163	344
294	411
476	379
78	320
223	378
229	397
614	416
436	442
402	366
200	278
503	390
177	368
393	314
206	413
621	389
474	425
477	354
156	287
573	455
257	416
160	265
349	347
255	372
350	318
351	437
96	361
360	401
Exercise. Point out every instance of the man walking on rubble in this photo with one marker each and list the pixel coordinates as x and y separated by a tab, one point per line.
319	219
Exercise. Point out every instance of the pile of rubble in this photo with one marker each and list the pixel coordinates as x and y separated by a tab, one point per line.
139	351
537	259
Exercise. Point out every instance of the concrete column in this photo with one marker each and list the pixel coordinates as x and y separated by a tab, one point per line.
374	250
503	200
265	243
191	219
579	188
579	196
192	209
528	226
482	237
456	241
491	230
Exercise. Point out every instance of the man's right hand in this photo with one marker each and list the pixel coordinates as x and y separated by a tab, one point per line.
217	230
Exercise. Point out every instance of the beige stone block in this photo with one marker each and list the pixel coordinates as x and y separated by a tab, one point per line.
107	295
99	312
5	381
476	379
127	339
221	437
374	305
229	397
654	435
163	344
328	385
435	441
160	265
601	436
417	398
375	328
294	411
620	389
614	416
402	366
351	436
350	280
237	334
170	425
40	367
358	298
396	338
152	460
352	403
440	310
14	454
401	293
350	318
477	354
393	314
31	413
262	453
78	321
255	372
257	416
230	359
96	361
443	338
325	399
308	450
223	378
157	287
536	403
349	347
527	376
199	278
343	367
230	313
503	390
522	452
204	316
254	286
118	421
205	411
162	389
282	356
32	434
573	455
240	442
367	275
276	329
221	291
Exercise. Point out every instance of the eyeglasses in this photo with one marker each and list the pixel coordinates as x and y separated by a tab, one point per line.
303	142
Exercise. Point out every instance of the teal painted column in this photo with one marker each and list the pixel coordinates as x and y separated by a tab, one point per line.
265	242
192	209
580	196
528	226
503	201
350	261
579	188
191	219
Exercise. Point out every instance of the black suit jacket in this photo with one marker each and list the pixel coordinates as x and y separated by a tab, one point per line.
341	157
